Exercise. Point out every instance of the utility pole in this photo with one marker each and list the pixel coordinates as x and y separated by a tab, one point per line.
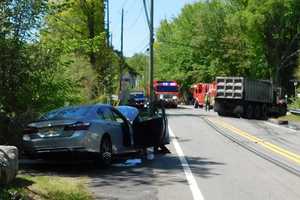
122	57
151	61
107	89
107	23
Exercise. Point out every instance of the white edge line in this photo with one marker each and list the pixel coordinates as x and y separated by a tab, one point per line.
197	195
278	126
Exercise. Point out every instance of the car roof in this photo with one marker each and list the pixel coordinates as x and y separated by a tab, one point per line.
83	106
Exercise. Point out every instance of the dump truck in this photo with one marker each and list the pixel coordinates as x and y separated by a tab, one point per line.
248	98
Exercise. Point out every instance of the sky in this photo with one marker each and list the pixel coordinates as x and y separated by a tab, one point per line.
136	31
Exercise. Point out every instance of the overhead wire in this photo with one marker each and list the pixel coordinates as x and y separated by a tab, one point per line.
136	19
142	43
124	4
146	13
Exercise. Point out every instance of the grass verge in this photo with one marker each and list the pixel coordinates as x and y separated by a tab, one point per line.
291	117
46	188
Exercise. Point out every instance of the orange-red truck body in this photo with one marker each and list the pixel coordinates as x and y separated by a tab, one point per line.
199	91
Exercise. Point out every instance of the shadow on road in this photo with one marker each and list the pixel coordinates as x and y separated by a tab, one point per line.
189	115
134	182
145	173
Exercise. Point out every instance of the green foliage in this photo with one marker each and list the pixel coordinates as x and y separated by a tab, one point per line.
253	38
294	101
45	188
139	63
295	104
33	77
78	27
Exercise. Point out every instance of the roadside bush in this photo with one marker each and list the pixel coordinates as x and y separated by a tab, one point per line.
34	84
295	102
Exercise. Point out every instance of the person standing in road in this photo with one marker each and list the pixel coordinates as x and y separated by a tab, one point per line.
207	101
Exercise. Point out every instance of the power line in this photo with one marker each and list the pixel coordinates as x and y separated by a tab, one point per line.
147	14
136	20
142	43
144	48
124	4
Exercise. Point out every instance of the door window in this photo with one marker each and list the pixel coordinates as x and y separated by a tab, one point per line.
106	114
100	114
117	117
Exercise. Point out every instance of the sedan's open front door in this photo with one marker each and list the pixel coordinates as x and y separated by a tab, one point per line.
153	130
149	133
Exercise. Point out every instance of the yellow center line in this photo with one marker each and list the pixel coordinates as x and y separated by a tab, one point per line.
272	147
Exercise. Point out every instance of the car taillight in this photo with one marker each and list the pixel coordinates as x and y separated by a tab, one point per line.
30	130
77	126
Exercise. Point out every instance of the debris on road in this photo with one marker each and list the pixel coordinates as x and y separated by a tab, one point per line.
129	163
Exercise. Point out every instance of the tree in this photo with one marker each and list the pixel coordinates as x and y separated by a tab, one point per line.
275	25
139	63
251	38
32	77
78	26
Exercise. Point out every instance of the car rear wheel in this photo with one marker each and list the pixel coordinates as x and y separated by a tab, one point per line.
105	157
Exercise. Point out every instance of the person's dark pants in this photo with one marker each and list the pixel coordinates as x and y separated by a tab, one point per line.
207	107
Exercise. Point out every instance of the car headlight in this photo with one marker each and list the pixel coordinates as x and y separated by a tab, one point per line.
26	137
175	97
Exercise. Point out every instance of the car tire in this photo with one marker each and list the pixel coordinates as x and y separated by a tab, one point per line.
105	154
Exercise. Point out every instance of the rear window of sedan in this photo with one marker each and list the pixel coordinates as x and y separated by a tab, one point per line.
67	113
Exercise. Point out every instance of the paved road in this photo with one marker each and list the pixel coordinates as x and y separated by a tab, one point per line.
230	170
212	158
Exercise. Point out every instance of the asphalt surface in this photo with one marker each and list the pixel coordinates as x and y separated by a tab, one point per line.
213	158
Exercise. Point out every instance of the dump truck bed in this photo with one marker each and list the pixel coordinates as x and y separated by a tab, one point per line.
244	89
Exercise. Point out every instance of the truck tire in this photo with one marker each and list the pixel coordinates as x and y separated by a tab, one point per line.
221	114
257	112
264	112
249	111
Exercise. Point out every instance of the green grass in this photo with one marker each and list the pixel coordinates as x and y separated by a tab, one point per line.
46	188
291	117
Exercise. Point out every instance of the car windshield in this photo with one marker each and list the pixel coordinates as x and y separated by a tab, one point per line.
66	113
167	89
130	113
137	96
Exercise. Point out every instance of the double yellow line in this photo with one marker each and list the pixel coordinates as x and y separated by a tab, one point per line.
272	147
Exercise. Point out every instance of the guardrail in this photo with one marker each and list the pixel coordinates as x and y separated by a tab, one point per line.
295	111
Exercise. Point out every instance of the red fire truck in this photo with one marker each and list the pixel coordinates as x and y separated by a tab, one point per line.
199	91
167	91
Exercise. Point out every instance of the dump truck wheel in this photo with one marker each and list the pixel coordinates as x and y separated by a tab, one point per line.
249	112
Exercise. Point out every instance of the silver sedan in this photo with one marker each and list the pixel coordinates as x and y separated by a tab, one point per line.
97	130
